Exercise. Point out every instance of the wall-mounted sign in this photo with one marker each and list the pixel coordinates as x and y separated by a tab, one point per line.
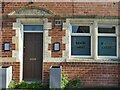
56	46
6	46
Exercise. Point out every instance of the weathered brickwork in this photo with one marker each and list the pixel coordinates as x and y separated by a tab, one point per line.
91	74
7	34
69	8
15	69
56	33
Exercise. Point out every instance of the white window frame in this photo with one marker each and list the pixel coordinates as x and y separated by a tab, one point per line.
109	34
81	34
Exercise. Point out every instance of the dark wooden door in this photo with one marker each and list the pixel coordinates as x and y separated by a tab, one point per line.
33	56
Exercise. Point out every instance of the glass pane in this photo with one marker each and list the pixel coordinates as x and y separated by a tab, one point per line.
33	27
81	45
80	29
106	29
106	46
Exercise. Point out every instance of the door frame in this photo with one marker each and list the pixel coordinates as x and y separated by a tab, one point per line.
42	50
23	44
18	26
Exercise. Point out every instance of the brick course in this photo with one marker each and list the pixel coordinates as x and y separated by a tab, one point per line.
56	34
69	8
91	74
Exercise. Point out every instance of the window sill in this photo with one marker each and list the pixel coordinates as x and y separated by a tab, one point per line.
99	60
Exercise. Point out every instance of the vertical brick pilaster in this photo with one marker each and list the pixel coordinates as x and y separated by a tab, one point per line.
56	36
7	34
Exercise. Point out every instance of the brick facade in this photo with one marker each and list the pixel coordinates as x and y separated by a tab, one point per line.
7	34
91	73
69	8
56	36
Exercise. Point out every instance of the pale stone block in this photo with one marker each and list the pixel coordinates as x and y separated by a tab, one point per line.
15	40
64	54
15	53
16	25
18	32
65	26
54	60
13	59
47	40
47	26
67	50
67	46
64	40
31	21
108	21
91	60
47	54
0	59
67	32
45	33
16	46
46	46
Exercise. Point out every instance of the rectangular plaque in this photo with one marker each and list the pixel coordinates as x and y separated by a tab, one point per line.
6	46
56	46
32	59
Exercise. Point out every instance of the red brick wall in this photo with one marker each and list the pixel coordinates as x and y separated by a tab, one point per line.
69	8
98	74
91	74
58	8
7	34
56	36
15	69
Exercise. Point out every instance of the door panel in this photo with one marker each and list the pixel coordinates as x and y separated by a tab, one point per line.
33	56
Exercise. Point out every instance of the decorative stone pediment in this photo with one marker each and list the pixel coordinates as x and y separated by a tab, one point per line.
31	11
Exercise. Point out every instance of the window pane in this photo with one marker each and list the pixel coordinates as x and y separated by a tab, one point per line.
106	29
106	46
80	29
81	45
33	27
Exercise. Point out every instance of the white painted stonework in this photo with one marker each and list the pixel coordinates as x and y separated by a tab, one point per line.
19	38
94	23
66	54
